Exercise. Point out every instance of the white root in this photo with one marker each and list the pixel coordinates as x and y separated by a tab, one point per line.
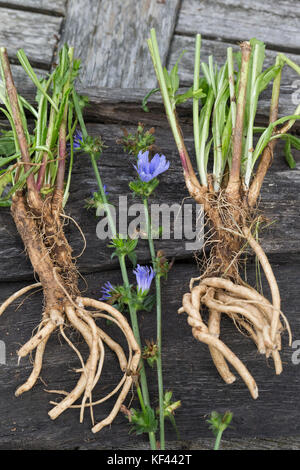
16	295
200	332
247	308
217	356
37	367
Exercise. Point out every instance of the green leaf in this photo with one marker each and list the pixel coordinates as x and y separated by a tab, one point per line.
133	258
7	144
145	99
265	78
4	203
181	98
29	70
21	182
267	134
143	421
288	154
174	78
5	179
5	160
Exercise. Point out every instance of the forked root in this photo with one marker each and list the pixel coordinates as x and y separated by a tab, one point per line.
252	313
83	320
16	295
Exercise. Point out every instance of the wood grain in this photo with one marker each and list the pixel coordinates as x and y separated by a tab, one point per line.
188	371
280	202
36	33
22	81
110	38
238	20
52	7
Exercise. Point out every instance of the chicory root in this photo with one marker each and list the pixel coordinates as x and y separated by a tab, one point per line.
225	124
37	202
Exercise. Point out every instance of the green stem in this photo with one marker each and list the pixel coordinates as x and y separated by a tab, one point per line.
139	392
231	86
290	62
170	109
218	440
199	155
159	329
103	195
144	397
67	188
144	400
254	95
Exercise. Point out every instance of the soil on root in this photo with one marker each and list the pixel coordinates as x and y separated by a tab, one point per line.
41	230
221	290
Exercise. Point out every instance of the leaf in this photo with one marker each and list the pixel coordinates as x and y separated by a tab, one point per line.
182	98
5	179
133	258
267	134
167	80
143	421
174	78
5	160
29	70
4	203
265	78
7	144
145	99
21	182
288	154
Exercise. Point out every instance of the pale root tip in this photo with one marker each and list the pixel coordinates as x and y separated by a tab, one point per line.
231	380
97	428
51	415
255	393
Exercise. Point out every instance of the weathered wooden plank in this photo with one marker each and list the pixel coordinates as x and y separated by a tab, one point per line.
188	371
280	201
110	38
36	33
22	81
124	105
52	7
237	20
290	95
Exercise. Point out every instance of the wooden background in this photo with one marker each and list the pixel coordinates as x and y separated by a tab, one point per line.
110	38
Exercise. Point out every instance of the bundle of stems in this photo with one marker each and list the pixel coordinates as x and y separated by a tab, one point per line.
35	182
141	385
225	102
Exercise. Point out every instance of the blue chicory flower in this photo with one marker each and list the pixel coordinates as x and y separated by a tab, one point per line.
144	276
148	170
77	139
107	290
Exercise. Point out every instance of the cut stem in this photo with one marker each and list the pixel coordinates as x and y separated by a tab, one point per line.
159	328
267	155
16	115
234	177
189	173
200	156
